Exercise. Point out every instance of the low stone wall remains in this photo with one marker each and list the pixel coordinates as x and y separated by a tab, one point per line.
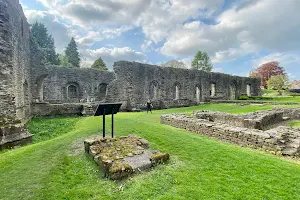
280	141
47	109
256	120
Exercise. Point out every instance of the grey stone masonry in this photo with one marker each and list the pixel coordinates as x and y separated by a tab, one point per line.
15	94
281	140
256	120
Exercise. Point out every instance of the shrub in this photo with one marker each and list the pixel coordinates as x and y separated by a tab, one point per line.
243	97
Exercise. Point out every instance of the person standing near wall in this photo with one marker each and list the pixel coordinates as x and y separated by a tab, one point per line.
149	106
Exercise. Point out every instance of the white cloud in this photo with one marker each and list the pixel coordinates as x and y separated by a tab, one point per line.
285	59
257	25
163	16
111	55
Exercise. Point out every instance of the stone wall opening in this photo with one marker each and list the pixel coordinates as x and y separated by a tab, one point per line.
233	91
177	91
40	88
72	91
198	94
102	89
248	90
153	90
213	90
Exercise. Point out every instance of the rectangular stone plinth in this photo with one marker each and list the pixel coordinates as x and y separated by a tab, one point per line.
121	157
14	135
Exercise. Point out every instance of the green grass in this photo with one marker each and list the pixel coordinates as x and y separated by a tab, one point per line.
295	124
47	128
200	167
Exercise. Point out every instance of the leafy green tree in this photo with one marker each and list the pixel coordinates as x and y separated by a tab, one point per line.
63	61
277	82
202	62
44	42
99	64
73	54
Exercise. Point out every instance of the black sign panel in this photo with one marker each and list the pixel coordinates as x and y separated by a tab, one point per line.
108	109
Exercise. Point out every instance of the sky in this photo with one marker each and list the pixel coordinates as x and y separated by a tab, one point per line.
238	35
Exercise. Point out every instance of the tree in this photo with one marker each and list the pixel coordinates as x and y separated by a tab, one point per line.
44	43
266	71
202	62
277	82
99	64
174	64
63	61
73	54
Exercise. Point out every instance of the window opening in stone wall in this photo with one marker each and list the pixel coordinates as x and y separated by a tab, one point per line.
233	91
248	90
72	92
198	94
177	92
102	91
213	89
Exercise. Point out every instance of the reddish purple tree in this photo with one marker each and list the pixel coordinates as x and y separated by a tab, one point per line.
266	71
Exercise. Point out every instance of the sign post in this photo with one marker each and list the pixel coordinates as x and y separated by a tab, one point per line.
107	109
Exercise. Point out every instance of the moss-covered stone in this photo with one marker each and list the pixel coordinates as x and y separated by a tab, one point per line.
159	158
119	171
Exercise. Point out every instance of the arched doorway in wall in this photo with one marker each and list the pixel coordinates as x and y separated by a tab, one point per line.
154	90
102	91
233	91
73	91
39	84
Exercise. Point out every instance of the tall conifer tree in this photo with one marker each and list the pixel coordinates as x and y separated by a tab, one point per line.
44	42
73	54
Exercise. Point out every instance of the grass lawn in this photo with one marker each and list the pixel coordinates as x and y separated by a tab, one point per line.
295	123
286	99
200	167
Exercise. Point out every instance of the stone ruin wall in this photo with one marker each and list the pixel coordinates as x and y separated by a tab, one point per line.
15	93
15	63
87	81
136	82
281	140
256	120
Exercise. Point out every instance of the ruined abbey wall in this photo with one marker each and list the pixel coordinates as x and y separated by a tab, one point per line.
134	83
170	87
14	62
91	85
15	93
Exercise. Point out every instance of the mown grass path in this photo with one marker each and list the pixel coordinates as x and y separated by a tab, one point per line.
200	167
